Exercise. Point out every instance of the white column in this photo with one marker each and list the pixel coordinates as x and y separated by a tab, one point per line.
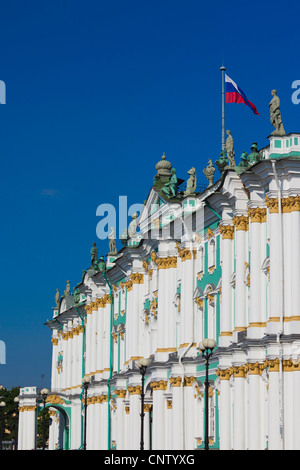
239	408
225	410
275	288
187	302
88	339
226	315
241	257
296	408
257	232
135	420
159	415
54	341
274	438
255	411
30	428
177	430
147	411
120	431
190	403
295	267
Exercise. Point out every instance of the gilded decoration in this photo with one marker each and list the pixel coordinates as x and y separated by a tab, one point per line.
169	404
199	302
227	232
159	385
134	390
241	222
224	374
120	393
54	341
188	381
27	408
55	400
289	204
175	381
167	263
185	253
257	214
137	278
210	233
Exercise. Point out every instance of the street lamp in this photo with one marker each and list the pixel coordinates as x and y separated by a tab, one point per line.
2	405
85	383
142	365
44	393
206	347
16	400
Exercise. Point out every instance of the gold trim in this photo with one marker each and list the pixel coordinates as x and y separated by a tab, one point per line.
257	214
159	385
227	232
241	222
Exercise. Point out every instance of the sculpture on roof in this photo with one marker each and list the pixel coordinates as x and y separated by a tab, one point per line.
191	183
57	297
209	172
244	160
254	156
68	289
229	147
94	254
222	162
170	189
101	264
275	114
132	233
112	242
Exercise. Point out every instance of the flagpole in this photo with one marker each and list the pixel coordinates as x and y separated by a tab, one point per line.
223	106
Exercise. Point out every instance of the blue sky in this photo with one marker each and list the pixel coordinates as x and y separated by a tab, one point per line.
96	92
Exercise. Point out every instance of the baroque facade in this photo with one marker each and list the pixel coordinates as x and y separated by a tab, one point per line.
223	263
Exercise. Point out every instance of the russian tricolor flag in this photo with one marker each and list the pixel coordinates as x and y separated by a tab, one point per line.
235	95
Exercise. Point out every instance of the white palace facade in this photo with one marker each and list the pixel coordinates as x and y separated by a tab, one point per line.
223	263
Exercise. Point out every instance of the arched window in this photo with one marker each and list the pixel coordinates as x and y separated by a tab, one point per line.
211	253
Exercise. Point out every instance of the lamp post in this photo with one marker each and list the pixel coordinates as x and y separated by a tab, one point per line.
44	394
206	347
142	365
16	400
2	405
85	383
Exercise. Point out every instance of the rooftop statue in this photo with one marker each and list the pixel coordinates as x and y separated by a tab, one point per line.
101	264
124	237
76	295
209	172
191	183
112	242
171	188
244	160
68	289
275	114
230	149
222	162
57	296
94	254
133	226
254	156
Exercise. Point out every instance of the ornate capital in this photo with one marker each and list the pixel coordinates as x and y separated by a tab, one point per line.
224	374
257	214
167	263
135	390
241	222
175	381
272	204
137	278
239	371
188	381
159	385
227	232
